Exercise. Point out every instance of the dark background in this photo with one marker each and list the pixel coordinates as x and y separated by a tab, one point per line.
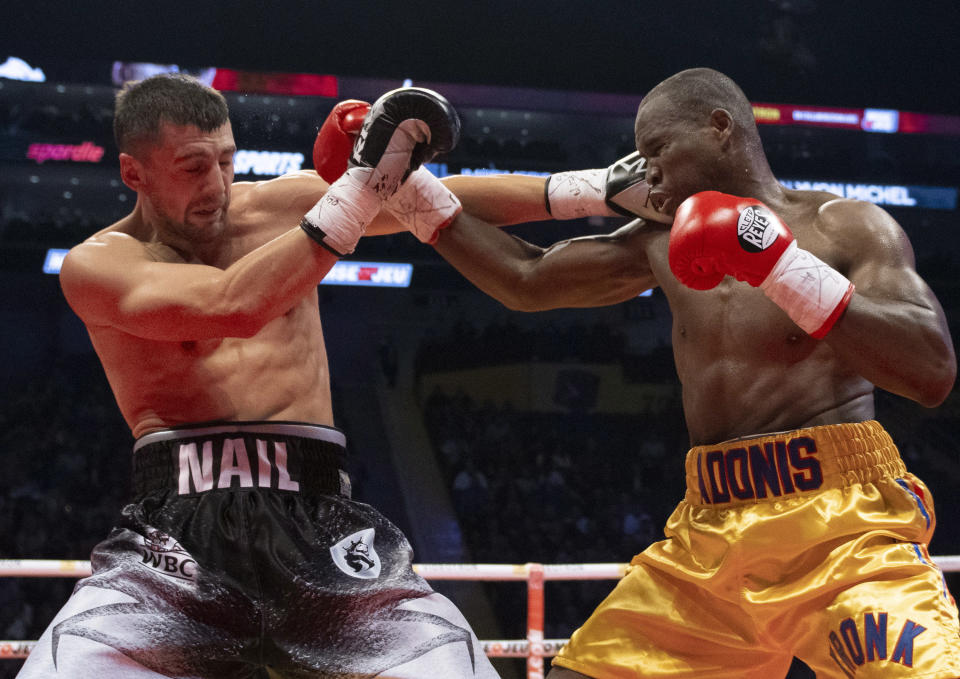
883	54
66	450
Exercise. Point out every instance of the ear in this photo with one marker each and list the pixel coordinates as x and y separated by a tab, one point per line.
721	122
131	171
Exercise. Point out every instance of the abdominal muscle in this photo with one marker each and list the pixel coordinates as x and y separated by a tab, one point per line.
280	373
732	399
747	369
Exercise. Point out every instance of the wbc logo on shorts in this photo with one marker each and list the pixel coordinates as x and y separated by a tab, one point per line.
163	553
355	555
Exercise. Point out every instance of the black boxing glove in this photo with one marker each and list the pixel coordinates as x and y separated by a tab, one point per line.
403	129
626	189
413	123
620	189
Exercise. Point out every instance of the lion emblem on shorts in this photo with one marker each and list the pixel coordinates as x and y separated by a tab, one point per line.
356	556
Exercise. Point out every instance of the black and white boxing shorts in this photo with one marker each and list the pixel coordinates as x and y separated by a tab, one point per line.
243	551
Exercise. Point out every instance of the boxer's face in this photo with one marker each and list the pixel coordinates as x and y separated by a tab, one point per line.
678	152
186	178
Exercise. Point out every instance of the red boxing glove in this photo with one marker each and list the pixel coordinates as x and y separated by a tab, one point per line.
335	139
715	234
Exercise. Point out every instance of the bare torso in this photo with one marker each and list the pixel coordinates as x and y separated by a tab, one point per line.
744	366
278	373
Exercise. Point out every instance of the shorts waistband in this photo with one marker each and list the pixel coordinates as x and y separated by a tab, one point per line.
779	466
230	456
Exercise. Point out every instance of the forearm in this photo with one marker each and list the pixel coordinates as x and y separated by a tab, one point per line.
492	260
581	272
501	200
902	347
263	285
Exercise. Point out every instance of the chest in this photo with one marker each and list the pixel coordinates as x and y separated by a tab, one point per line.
732	319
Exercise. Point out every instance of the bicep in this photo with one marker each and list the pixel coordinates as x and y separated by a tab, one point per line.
146	298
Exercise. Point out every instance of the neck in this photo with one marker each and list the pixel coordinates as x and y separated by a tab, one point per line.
750	175
153	228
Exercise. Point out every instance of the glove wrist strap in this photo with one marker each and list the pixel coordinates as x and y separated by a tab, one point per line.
581	193
813	293
340	218
424	205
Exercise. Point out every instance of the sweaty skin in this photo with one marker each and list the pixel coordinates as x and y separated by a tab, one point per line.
202	303
188	323
745	367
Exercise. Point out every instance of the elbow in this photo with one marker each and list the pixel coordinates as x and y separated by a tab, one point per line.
936	390
524	292
938	382
523	303
931	398
525	296
932	384
243	320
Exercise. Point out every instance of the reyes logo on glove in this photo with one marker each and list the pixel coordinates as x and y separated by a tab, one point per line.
755	230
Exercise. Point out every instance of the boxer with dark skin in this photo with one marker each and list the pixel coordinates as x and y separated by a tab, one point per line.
749	369
745	367
789	308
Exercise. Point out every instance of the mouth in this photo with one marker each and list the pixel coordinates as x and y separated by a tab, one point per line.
208	213
659	202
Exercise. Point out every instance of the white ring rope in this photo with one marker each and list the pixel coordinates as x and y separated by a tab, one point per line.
65	568
534	648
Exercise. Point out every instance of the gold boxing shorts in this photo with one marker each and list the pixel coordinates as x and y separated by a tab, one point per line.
810	543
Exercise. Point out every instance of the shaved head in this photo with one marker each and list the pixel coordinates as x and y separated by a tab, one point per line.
695	93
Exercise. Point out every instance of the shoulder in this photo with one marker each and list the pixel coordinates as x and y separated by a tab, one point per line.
857	220
849	211
863	230
98	264
101	248
295	192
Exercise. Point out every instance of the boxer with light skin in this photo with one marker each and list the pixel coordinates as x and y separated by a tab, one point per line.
241	551
801	532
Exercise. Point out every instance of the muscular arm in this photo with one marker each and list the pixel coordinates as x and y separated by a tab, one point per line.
501	200
894	332
580	272
139	288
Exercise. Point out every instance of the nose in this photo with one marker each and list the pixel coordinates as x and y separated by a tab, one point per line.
654	175
217	180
